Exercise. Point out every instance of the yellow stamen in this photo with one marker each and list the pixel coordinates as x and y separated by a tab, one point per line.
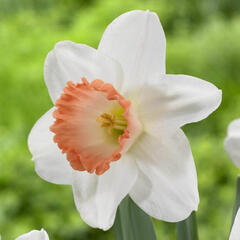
111	121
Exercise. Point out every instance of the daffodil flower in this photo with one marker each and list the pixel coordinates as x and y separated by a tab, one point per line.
235	232
115	127
34	235
232	142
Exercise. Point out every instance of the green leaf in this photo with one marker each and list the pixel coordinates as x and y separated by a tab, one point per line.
132	223
187	229
237	202
237	199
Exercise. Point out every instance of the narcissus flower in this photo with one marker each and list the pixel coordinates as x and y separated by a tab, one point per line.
34	235
232	142
235	232
115	127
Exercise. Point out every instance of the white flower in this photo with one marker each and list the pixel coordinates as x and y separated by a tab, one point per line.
34	235
130	117
235	232
232	142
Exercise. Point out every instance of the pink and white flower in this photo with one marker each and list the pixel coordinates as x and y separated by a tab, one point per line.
232	142
115	128
34	235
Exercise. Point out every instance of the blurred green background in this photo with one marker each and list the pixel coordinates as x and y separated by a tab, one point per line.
203	40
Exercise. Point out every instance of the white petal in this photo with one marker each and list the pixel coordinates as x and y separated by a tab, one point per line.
232	142
235	232
34	235
166	187
176	100
136	40
50	163
97	197
69	61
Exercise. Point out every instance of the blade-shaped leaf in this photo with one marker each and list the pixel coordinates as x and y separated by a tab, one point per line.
237	199
237	202
132	223
187	229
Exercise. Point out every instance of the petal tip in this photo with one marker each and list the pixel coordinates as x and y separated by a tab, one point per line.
233	125
63	43
218	97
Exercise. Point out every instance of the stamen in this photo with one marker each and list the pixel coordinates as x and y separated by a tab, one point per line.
112	122
119	127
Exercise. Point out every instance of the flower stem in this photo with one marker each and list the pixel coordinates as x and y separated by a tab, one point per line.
187	229
132	223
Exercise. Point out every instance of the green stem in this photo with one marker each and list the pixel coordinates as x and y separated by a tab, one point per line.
132	223
187	229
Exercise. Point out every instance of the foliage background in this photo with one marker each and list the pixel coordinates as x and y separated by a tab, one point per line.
202	40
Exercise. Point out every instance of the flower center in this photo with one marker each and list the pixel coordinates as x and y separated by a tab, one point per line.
111	122
94	125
